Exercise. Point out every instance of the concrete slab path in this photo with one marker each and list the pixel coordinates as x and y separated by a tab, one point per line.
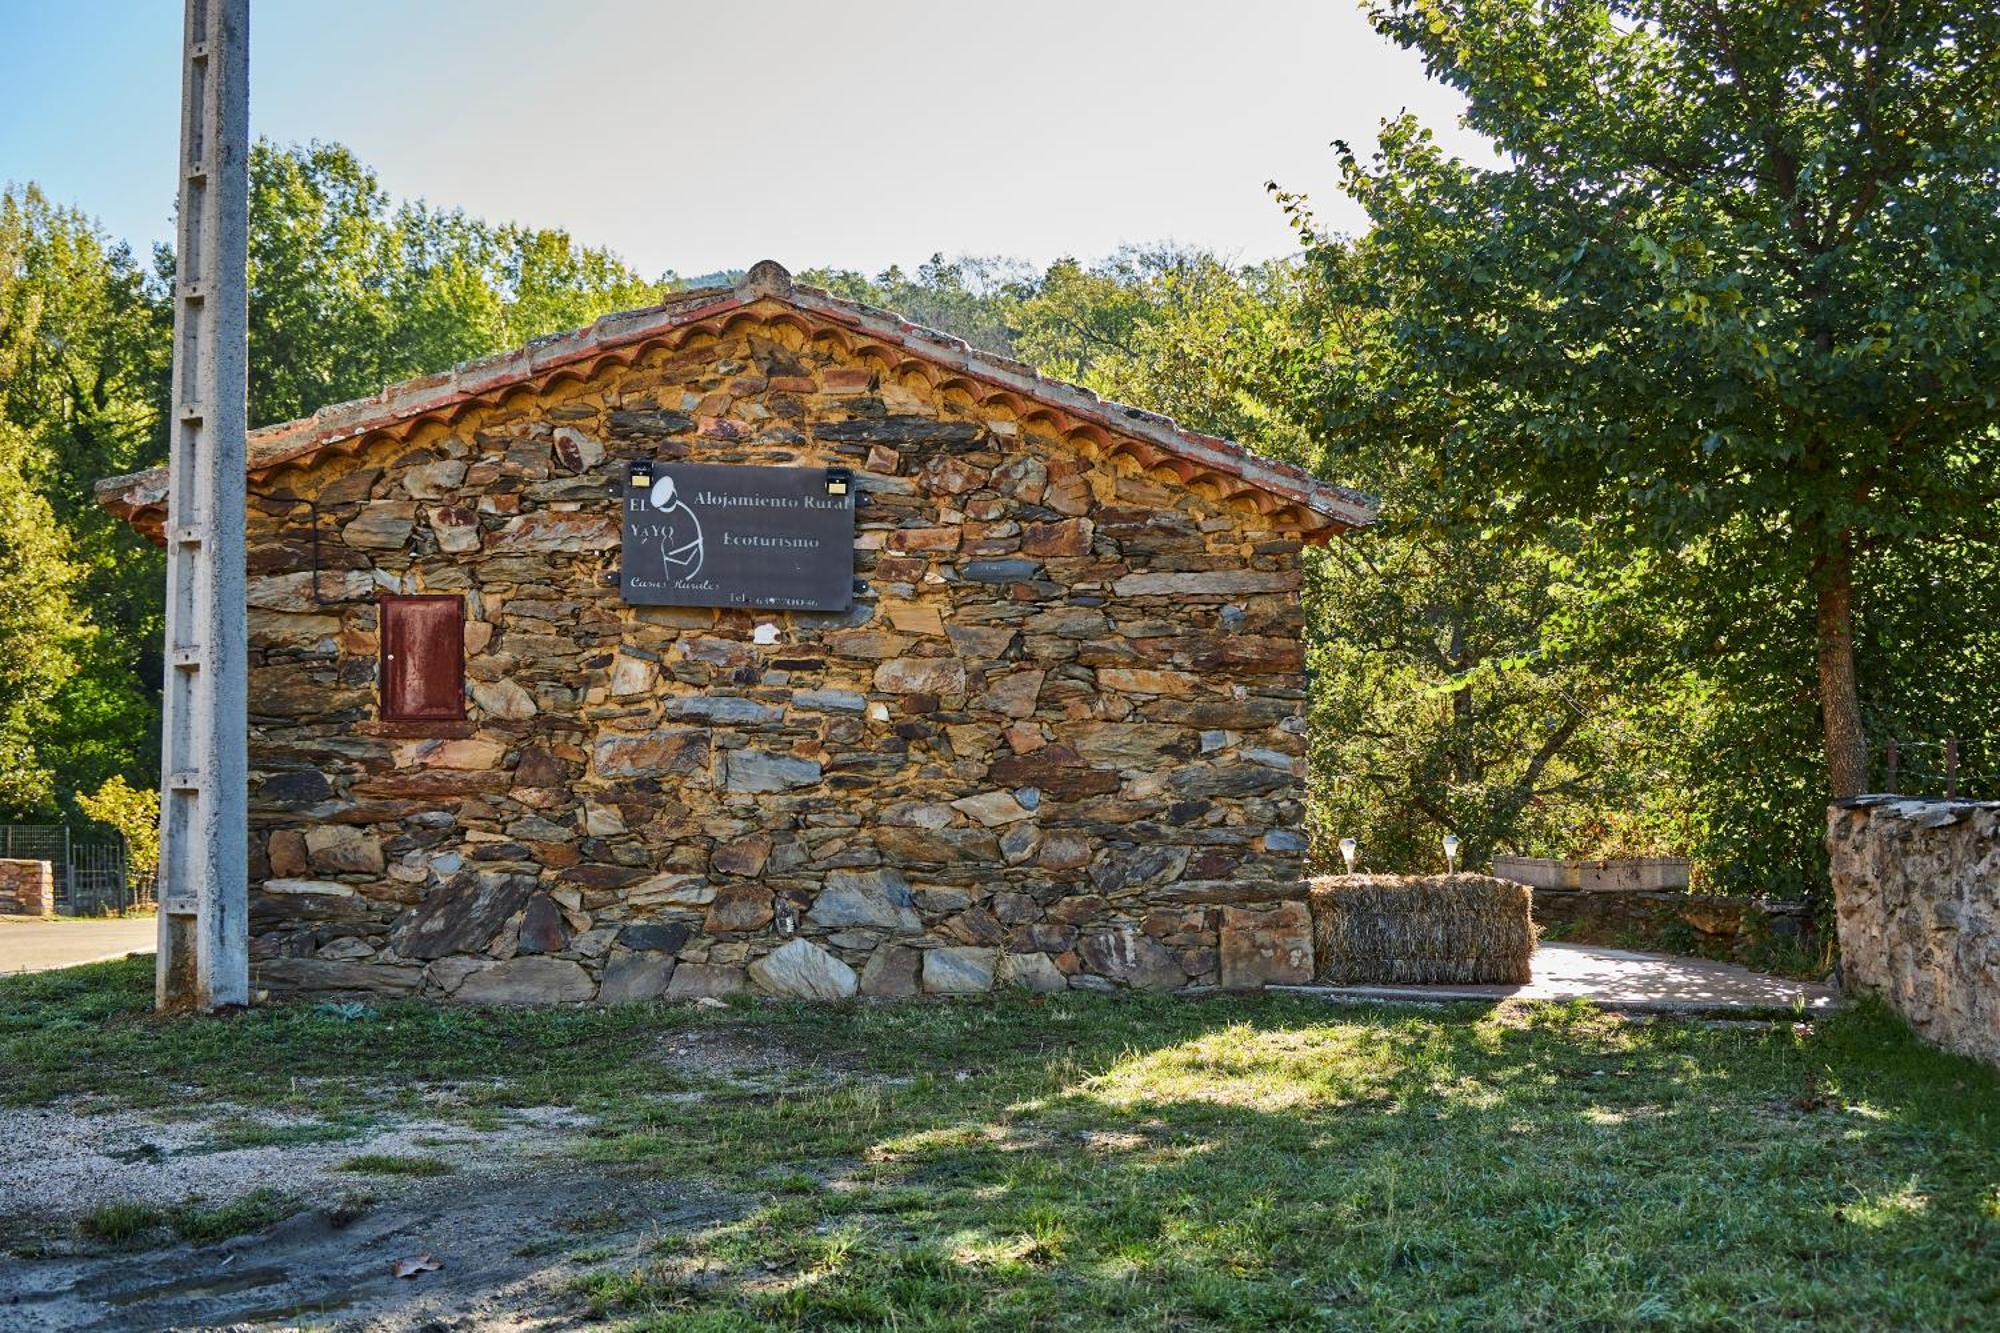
39	946
1626	981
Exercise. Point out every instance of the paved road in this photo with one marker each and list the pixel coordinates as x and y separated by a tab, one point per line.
38	946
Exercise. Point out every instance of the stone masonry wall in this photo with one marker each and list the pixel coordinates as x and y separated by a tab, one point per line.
1055	739
1916	884
27	888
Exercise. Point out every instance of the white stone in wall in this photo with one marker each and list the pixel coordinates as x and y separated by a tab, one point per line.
801	970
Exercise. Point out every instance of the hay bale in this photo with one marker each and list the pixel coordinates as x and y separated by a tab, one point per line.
1422	929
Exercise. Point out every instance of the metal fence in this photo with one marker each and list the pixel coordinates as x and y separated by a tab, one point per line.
91	877
1951	767
101	880
36	842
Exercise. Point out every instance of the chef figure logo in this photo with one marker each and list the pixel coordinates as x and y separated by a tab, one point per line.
682	546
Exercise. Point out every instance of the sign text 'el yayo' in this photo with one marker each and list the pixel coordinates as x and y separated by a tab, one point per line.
711	534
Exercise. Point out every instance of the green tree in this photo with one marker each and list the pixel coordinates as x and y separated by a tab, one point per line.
84	339
548	283
1443	703
970	297
1437	706
1178	330
349	291
324	264
1728	296
38	629
135	813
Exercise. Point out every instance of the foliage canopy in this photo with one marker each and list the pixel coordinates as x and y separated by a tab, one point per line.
1729	294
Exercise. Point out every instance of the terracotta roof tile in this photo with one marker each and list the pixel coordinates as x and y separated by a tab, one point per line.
1320	508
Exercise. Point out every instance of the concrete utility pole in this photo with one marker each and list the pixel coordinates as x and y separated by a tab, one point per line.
204	959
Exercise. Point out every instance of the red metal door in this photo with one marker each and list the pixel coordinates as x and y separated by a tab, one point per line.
423	658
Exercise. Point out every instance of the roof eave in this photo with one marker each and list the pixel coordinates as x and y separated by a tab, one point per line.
140	498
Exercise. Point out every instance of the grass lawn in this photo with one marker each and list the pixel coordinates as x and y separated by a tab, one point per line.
1143	1162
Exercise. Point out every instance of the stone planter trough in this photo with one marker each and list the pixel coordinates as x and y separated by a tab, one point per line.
1613	875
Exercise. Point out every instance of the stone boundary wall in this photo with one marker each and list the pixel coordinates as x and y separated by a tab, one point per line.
27	888
1712	925
1916	884
1057	743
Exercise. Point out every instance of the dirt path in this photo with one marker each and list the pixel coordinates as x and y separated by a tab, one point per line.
513	1220
508	1249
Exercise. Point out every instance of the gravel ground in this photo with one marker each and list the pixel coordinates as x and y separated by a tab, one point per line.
57	1164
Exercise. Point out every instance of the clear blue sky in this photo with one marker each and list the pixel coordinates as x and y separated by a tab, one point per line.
703	136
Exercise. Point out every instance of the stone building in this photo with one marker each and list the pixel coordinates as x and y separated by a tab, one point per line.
1056	739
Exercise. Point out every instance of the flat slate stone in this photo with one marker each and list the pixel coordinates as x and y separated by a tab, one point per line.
892	972
528	980
658	423
921	675
1002	571
629	977
739	907
1032	972
938	846
1230	782
756	771
337	975
1122	953
959	970
830	701
1219	583
879	898
672	889
659	753
697	980
801	970
746	856
1267	946
1139	865
543	929
337	848
992	808
899	430
654	937
1019	842
294	788
721	708
461	916
381	524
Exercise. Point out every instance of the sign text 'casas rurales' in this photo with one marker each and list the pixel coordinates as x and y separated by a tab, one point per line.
710	534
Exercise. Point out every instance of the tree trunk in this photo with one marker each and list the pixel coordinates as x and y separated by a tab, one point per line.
1839	697
1468	767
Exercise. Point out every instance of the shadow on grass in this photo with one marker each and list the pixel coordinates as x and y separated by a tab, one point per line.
1263	1163
1136	1161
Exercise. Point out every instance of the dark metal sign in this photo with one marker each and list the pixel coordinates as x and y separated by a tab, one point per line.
712	534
